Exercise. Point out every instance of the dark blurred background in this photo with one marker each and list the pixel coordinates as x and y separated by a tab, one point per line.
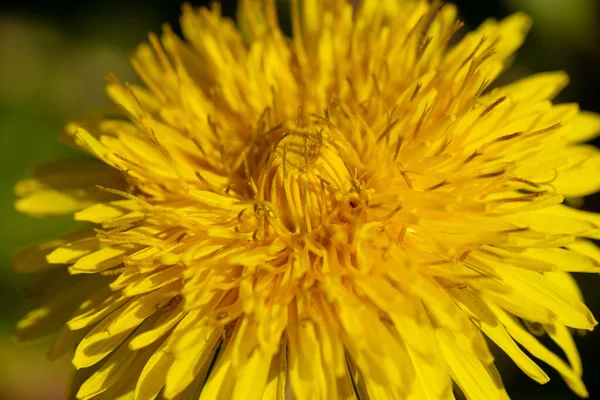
53	56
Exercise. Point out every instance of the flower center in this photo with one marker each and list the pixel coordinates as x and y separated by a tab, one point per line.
303	178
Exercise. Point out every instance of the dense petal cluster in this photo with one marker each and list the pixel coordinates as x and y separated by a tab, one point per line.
349	212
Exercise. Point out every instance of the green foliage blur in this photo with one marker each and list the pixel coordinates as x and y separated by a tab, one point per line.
52	63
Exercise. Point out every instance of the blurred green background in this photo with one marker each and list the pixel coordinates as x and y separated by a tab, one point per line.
53	57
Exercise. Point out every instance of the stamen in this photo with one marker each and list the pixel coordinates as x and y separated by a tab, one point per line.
162	56
249	177
470	57
213	128
443	147
492	106
119	193
386	133
421	120
423	47
274	129
199	146
324	120
464	255
284	160
169	305
376	85
130	162
491	174
398	146
404	176
434	187
450	34
472	157
506	137
352	90
179	238
545	130
201	178
529	197
416	91
300	117
165	153
525	181
401	235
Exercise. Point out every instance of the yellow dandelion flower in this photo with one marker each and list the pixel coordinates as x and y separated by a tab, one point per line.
349	212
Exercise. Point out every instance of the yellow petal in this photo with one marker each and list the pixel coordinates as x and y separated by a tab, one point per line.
533	346
137	310
85	140
71	252
77	174
252	376
164	323
54	312
275	388
360	382
375	390
220	381
99	343
510	33
586	126
125	383
431	371
96	307
467	370
153	281
52	202
305	362
108	374
193	363
522	306
33	259
559	219
124	389
66	341
104	212
497	378
484	317
561	336
345	387
564	260
537	87
77	379
371	352
152	378
566	282
217	200
130	97
586	248
105	258
539	289
581	175
63	188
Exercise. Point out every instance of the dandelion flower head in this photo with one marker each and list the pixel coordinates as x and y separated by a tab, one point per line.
351	211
